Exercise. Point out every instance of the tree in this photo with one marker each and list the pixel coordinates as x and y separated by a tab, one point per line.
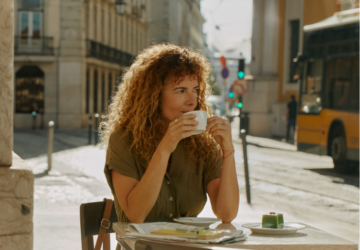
215	90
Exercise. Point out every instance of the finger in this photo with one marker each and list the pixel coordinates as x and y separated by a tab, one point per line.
186	134
216	125
210	126
221	133
214	117
184	119
183	128
211	123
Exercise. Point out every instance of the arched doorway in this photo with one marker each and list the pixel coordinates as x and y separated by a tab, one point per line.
29	90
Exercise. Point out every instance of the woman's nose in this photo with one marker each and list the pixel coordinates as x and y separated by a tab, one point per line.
191	100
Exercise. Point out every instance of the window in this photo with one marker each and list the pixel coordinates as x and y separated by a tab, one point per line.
30	24
294	47
109	88
311	88
29	90
87	91
342	84
30	4
103	92
354	93
30	28
95	91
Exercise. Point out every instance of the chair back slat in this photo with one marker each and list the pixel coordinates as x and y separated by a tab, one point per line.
91	215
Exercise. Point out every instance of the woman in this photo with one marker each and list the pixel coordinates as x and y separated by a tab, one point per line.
155	166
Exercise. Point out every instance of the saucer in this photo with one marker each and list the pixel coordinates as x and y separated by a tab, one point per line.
289	228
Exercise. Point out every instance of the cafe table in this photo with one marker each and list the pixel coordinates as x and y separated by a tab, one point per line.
309	238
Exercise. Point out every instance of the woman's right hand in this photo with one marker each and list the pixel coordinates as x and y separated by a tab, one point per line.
179	129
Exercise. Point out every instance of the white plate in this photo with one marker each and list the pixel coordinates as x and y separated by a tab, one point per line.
289	228
195	221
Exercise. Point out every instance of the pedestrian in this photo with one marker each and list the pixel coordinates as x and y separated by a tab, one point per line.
291	116
156	168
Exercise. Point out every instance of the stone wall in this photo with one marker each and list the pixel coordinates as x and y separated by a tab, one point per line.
16	206
16	178
6	80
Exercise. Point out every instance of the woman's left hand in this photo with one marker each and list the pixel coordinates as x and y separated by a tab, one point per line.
220	129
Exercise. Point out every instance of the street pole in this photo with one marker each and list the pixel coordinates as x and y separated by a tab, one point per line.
247	180
34	119
90	128
225	96
96	125
240	124
50	144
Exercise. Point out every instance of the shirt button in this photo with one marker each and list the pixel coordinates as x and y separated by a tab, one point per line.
168	182
171	198
171	215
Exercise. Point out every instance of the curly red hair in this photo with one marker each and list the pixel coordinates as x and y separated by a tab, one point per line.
136	105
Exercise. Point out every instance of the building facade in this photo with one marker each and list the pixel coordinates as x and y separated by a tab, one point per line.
69	55
178	22
276	40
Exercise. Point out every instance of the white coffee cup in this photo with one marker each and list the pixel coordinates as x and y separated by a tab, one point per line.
201	118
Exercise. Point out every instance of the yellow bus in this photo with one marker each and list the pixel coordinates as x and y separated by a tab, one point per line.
328	110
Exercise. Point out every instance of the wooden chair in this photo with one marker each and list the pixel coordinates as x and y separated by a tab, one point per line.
91	215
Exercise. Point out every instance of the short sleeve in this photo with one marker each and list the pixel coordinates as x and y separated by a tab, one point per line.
212	169
119	157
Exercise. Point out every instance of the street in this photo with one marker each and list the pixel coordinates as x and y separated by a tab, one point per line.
304	187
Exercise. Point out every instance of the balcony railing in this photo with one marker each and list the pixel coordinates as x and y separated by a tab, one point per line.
28	45
106	53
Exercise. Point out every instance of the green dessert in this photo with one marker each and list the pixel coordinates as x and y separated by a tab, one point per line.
273	220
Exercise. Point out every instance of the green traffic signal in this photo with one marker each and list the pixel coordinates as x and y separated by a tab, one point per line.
240	105
231	94
241	74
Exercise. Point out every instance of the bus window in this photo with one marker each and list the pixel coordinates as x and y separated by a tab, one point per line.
338	84
354	93
311	89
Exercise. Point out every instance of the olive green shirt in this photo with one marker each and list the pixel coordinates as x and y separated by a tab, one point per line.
183	189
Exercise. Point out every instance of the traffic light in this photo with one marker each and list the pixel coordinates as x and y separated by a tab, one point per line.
241	69
231	94
240	103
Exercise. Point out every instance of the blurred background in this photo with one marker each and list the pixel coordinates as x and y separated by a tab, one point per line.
303	153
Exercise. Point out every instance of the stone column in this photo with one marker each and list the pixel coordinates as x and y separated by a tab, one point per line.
264	67
6	80
72	62
16	178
